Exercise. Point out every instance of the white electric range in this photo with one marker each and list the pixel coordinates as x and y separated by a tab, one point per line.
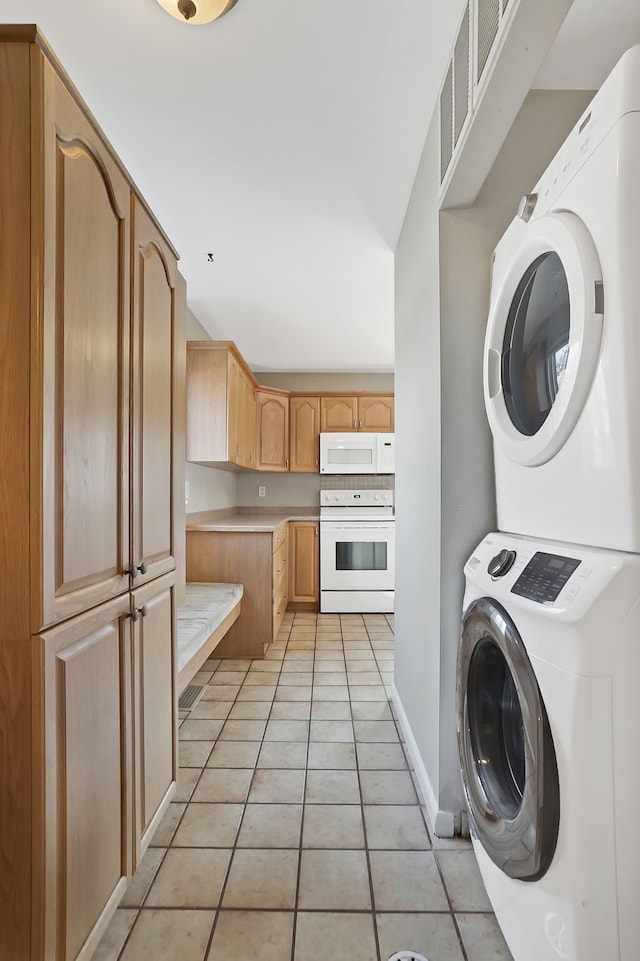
357	551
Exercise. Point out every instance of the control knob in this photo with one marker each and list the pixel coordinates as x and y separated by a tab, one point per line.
501	563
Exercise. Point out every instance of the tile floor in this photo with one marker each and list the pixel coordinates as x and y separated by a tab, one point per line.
296	833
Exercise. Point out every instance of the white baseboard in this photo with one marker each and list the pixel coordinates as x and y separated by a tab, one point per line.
441	823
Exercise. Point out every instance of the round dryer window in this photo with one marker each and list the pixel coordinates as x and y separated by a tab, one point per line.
543	337
507	758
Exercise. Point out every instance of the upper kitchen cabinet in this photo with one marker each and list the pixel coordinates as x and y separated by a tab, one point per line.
272	430
221	406
376	413
353	412
304	434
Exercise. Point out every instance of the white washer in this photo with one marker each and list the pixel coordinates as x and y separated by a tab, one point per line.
548	721
562	350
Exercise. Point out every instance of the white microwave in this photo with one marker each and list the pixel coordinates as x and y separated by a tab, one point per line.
357	453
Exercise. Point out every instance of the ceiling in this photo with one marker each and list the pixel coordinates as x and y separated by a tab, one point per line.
283	139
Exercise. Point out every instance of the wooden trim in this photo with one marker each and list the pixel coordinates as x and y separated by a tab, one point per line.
194	664
18	33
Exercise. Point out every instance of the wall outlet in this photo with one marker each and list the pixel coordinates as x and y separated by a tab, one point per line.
262	492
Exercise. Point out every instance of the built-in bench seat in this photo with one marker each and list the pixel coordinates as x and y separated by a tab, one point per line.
208	612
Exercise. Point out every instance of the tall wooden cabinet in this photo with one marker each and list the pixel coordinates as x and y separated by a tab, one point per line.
91	331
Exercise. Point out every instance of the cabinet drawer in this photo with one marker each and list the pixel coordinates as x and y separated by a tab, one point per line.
280	536
280	562
279	608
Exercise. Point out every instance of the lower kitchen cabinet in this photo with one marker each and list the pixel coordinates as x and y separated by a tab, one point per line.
304	558
104	761
83	780
257	560
154	700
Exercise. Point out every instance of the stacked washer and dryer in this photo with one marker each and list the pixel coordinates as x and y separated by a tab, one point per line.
549	660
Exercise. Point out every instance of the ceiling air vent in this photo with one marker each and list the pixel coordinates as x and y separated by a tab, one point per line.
461	77
455	96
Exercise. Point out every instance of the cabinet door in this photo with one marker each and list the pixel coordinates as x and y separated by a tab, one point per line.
235	409
304	584
154	706
155	306
83	346
207	398
376	414
339	414
83	777
272	420
304	434
248	423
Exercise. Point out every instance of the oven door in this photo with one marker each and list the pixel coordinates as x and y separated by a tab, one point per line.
357	555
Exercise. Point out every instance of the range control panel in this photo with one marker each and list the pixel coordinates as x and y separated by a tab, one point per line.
544	577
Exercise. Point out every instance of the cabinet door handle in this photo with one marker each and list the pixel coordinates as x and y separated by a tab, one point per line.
316	461
133	572
359	425
355	425
316	532
286	463
138	612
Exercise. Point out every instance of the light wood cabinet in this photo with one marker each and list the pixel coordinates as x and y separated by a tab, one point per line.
234	422
91	327
83	779
339	414
155	728
280	576
272	430
259	561
364	412
304	565
221	412
304	434
376	413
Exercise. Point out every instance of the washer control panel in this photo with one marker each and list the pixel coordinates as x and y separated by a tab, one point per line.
544	577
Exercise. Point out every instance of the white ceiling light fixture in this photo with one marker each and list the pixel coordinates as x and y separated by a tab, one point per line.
197	11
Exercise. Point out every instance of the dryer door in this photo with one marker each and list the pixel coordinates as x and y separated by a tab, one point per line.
508	762
543	337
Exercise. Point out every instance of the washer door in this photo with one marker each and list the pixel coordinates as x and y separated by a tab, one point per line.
508	762
543	339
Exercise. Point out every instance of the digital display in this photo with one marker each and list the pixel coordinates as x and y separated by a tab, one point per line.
544	577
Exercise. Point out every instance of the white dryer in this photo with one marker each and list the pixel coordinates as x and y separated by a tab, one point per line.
548	722
562	349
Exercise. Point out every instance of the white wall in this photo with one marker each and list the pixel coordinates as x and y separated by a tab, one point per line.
418	463
444	481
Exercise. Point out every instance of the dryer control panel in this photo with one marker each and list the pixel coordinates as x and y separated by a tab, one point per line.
544	577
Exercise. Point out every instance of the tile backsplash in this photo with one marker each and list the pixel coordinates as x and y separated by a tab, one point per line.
357	482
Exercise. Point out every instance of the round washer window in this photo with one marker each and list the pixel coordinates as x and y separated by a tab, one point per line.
496	729
536	343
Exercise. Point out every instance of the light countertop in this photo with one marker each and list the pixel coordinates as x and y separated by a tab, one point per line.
249	519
